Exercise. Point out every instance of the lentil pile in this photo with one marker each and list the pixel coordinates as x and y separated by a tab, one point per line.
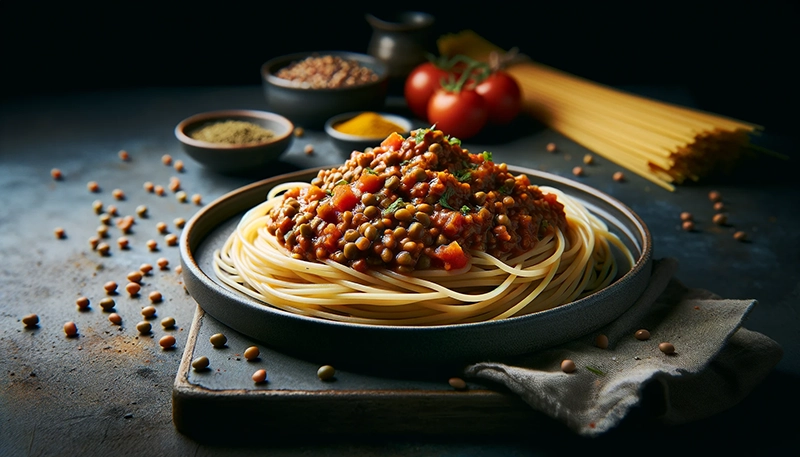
415	203
326	72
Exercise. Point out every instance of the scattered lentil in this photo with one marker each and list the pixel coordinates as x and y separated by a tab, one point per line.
687	226
155	296
309	149
166	159
110	287
123	242
200	363
115	318
162	263
181	196
118	194
178	269
179	222
56	174
686	216
105	219
60	233
714	196
103	248
568	366
124	156
252	353
197	199
457	383
720	219
551	147
162	227
619	176
167	341
171	239
141	210
642	334
260	376
174	184
148	186
179	165
601	341
588	159
93	186
133	289
31	320
159	190
143	327
102	231
82	302
666	348
70	329
218	340
740	236
719	206
94	241
577	171
326	372
152	245
107	303
168	322
145	268
298	132
97	206
112	210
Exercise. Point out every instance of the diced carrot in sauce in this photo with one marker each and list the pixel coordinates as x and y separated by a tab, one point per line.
326	212
392	142
344	199
370	183
313	193
452	256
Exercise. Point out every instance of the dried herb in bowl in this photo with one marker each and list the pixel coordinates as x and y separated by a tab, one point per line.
232	132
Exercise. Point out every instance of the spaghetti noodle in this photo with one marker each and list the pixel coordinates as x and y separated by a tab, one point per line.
664	143
291	253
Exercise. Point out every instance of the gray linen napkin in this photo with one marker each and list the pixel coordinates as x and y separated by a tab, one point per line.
716	362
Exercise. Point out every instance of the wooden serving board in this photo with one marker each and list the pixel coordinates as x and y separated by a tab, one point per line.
222	403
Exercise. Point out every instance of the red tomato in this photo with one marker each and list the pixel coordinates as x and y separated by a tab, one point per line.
420	85
460	114
503	97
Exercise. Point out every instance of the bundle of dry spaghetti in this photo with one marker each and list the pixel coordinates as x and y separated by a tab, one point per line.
664	143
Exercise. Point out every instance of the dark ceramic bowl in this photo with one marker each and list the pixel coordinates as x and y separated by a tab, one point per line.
348	143
236	158
310	107
405	347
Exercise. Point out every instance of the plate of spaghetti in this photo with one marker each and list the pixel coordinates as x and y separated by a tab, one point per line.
416	250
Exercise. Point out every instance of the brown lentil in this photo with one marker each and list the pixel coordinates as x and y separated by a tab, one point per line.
714	196
124	156
719	206
166	159
82	302
141	210
103	248
145	268
115	318
102	231
110	287
457	383
251	353
135	276
162	263
618	176
601	341
155	297
260	376
588	159
97	206
642	334
168	322
197	199
568	366
179	165
171	239
118	194
93	186
687	226
666	348
200	363
70	329
326	72
105	219
178	269
133	289
720	219
551	147
309	149
149	186
30	320
326	372
179	222
152	245
167	341
298	132
174	184
686	216
159	190
143	327
123	242
60	233
107	303
181	196
112	210
740	236
218	340
56	174
577	171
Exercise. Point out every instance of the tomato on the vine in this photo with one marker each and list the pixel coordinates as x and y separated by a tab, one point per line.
461	113
502	95
420	85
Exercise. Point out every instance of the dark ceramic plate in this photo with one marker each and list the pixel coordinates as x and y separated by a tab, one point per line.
373	344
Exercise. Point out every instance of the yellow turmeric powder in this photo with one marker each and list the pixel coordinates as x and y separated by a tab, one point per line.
368	125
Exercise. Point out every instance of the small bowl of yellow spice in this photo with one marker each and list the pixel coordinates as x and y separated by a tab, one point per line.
235	141
356	131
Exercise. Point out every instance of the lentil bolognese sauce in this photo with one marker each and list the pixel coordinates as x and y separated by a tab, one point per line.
418	231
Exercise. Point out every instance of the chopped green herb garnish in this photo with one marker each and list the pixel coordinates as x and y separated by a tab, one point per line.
443	199
397	204
453	141
465	210
463	175
370	171
505	190
487	156
340	182
595	371
405	162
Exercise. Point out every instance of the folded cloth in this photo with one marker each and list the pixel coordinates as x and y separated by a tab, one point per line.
715	364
